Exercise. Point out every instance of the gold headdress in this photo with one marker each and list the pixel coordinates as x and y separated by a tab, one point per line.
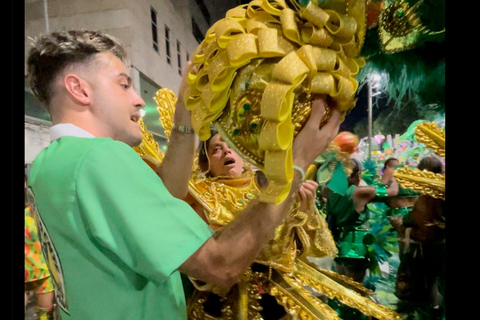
425	182
257	69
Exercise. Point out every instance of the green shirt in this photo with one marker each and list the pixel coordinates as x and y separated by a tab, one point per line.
343	208
114	233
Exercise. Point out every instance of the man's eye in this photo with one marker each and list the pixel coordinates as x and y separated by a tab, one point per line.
125	86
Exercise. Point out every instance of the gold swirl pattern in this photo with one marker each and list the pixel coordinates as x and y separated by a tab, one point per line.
256	71
166	101
432	136
425	182
148	149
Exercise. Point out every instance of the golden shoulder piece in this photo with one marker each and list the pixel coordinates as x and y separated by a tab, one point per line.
432	136
425	182
258	69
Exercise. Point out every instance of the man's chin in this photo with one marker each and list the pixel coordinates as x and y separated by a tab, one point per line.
134	140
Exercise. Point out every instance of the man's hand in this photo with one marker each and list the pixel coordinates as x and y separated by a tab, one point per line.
182	115
307	194
312	140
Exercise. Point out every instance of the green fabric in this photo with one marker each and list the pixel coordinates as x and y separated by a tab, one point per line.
331	173
381	192
402	211
407	193
343	208
119	234
352	245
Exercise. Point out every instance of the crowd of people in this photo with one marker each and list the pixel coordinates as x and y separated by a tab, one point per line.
164	247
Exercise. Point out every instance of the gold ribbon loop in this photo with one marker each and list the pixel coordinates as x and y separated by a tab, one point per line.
268	43
226	31
325	59
342	69
291	69
340	25
274	7
275	136
323	83
316	36
314	14
238	13
306	54
289	25
242	49
276	101
253	26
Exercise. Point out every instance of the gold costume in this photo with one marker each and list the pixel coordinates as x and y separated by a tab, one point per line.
282	270
288	273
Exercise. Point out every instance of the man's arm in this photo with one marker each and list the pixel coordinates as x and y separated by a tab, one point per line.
363	195
176	167
224	257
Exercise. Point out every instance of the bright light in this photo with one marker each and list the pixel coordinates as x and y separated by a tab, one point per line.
142	113
375	77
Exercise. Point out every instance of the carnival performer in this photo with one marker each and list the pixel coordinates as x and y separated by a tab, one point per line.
420	281
275	285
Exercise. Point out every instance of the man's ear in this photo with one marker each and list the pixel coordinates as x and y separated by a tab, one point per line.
77	87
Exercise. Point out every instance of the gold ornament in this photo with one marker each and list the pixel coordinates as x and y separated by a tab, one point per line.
148	149
400	26
432	136
425	182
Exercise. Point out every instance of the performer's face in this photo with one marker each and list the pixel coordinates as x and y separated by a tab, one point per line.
223	160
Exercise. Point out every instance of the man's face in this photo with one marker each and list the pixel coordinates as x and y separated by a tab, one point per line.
223	160
393	163
114	102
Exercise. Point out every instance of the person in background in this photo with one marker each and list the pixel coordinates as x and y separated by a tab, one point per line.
420	282
388	169
114	229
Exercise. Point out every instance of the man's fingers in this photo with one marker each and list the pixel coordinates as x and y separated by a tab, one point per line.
318	109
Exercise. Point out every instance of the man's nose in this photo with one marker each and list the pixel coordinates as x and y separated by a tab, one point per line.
138	101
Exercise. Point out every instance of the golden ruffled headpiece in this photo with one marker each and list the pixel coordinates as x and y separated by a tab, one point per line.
257	69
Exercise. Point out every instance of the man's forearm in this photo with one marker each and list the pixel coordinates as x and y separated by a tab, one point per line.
233	249
176	168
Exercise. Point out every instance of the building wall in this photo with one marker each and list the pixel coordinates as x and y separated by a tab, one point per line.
130	21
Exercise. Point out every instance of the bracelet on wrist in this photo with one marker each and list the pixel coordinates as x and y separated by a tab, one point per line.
295	167
184	129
